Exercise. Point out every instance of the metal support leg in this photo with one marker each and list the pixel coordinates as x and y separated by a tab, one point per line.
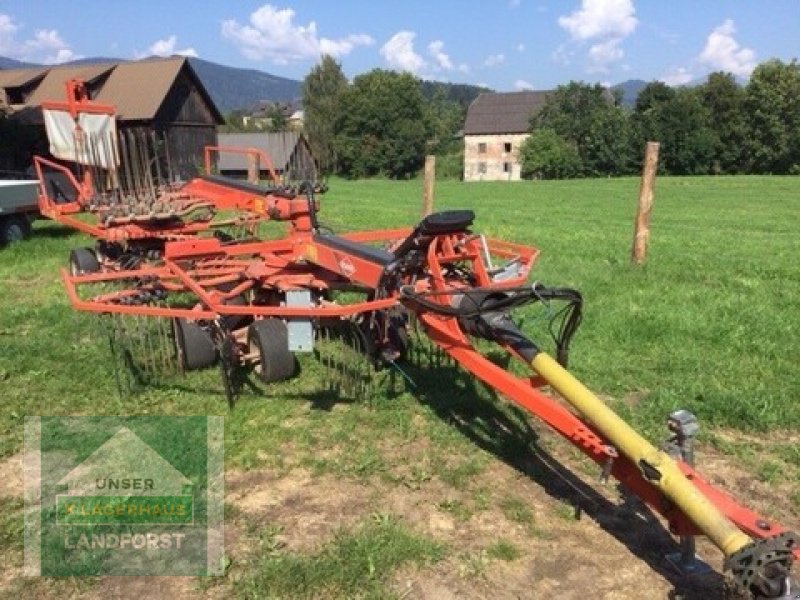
684	428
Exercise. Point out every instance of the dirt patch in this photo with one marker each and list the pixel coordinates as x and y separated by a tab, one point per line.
11	477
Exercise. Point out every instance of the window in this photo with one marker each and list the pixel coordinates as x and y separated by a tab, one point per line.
481	167
482	148
507	147
506	167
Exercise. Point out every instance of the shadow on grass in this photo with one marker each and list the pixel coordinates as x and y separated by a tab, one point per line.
504	431
53	232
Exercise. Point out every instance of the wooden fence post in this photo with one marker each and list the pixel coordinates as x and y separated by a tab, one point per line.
253	168
641	232
428	189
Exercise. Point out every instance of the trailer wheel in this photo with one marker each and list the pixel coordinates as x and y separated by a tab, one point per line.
83	261
193	345
13	229
270	338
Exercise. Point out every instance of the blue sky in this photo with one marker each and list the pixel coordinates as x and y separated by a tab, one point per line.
505	44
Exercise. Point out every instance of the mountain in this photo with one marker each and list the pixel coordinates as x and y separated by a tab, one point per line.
10	63
630	90
233	88
461	93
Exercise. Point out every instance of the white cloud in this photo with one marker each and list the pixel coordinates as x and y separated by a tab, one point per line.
399	53
464	68
166	47
46	45
601	18
562	56
723	52
272	35
603	54
344	45
8	31
513	3
606	23
521	84
677	76
520	47
436	50
494	60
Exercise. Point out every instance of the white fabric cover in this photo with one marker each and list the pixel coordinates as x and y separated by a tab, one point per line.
96	130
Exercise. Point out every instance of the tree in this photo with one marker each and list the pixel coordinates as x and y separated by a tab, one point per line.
772	105
589	117
546	155
724	100
681	123
322	91
381	126
276	119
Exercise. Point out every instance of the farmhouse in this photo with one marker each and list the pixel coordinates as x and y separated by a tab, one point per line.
161	94
289	151
495	127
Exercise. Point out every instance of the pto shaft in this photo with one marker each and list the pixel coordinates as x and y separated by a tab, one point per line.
656	465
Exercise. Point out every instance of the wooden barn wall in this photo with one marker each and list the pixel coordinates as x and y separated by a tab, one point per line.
185	104
186	144
184	151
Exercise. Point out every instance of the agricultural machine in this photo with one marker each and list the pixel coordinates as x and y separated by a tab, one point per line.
121	187
249	305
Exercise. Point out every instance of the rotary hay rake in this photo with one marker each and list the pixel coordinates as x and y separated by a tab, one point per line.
250	305
125	189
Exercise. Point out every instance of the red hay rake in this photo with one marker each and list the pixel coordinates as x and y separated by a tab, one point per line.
249	305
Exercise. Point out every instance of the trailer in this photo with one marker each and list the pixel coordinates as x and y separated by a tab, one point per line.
18	209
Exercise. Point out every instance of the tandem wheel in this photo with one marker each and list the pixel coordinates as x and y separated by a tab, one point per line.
270	339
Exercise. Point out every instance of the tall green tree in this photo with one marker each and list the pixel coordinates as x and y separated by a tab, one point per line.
772	104
322	93
724	100
547	155
589	118
381	126
678	120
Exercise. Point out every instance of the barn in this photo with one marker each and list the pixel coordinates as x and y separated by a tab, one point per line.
289	151
495	127
163	95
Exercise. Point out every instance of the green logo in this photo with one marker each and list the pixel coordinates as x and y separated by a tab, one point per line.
123	495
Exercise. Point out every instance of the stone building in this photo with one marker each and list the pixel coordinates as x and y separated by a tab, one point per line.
495	127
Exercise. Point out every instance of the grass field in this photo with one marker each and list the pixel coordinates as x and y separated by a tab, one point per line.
711	323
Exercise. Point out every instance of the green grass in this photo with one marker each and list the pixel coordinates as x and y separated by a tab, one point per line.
355	564
710	323
502	549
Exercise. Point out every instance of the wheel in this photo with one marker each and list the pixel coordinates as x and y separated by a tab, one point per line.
193	345
270	338
14	229
83	261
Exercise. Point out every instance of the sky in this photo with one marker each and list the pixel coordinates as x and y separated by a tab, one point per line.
503	44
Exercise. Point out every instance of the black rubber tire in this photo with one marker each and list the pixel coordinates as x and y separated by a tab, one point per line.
83	261
270	338
193	345
13	229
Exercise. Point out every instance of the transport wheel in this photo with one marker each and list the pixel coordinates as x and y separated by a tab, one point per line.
270	338
193	345
13	230
83	261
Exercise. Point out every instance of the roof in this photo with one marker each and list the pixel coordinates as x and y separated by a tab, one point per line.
51	87
279	146
137	89
492	113
18	77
